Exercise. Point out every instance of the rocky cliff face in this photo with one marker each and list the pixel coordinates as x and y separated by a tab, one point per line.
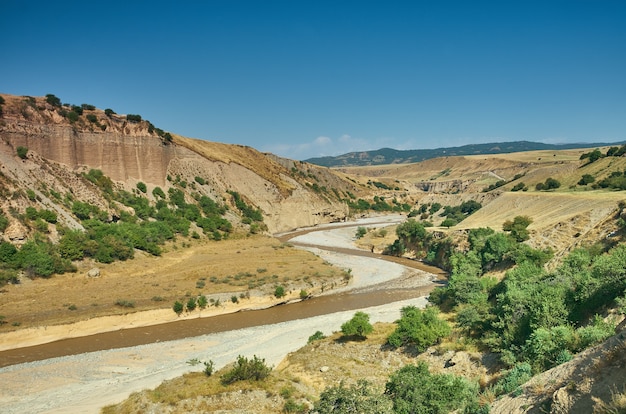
130	152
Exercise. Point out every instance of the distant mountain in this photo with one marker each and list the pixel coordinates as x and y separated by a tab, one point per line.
393	156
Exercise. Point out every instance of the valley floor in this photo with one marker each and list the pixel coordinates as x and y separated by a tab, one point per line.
84	383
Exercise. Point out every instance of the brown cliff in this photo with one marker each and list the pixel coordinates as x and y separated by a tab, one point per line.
130	152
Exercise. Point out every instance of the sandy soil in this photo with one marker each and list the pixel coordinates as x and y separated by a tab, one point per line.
85	383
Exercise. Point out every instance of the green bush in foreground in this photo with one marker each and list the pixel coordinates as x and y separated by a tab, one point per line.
247	369
359	325
419	328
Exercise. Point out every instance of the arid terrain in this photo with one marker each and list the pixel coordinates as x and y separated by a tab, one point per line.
49	161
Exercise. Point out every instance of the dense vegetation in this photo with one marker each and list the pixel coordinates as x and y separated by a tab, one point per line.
532	318
109	237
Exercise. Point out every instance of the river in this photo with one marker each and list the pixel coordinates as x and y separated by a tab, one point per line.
85	373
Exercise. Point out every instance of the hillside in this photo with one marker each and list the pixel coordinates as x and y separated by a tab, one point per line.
385	156
106	215
129	152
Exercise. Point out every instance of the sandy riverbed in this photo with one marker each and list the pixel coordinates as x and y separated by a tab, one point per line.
85	383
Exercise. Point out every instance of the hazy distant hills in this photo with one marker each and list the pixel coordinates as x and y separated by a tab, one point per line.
392	156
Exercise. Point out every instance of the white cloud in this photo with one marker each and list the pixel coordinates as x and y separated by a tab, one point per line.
322	146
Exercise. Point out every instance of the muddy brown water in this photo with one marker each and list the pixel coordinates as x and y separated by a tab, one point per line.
201	326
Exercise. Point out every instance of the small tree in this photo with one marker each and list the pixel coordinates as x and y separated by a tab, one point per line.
209	367
53	100
22	152
586	179
360	232
141	186
178	307
279	292
359	325
191	304
247	369
448	223
420	328
517	227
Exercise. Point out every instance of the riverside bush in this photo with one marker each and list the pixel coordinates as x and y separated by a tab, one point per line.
247	369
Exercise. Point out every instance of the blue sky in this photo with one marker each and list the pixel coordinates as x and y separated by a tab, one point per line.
310	78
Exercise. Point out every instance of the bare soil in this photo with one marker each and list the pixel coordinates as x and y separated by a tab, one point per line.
249	266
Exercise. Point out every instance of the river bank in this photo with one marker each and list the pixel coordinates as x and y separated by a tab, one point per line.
84	383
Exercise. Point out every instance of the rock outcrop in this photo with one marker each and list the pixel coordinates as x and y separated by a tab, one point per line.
131	152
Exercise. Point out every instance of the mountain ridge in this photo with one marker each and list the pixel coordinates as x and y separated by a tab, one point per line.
384	156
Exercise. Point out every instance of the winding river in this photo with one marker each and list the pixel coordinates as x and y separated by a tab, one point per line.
110	365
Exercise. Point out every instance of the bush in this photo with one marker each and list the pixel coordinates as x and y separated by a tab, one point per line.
358	326
4	222
53	100
448	223
413	389
316	336
158	192
133	118
419	328
549	184
125	303
109	112
209	366
22	152
517	227
247	369
178	307
279	292
360	232
358	398
142	187
586	179
513	378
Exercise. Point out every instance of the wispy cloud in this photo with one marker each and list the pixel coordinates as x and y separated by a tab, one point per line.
322	146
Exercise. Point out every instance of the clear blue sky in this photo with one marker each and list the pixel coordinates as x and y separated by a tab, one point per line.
311	78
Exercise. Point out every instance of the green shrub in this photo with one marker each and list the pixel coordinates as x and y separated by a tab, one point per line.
53	100
513	378
22	152
142	187
209	367
247	369
359	325
124	303
279	292
413	389
133	118
316	336
356	398
4	222
178	307
419	328
191	304
360	232
72	116
586	179
109	112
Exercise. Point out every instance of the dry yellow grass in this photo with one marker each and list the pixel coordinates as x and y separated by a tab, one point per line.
234	265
